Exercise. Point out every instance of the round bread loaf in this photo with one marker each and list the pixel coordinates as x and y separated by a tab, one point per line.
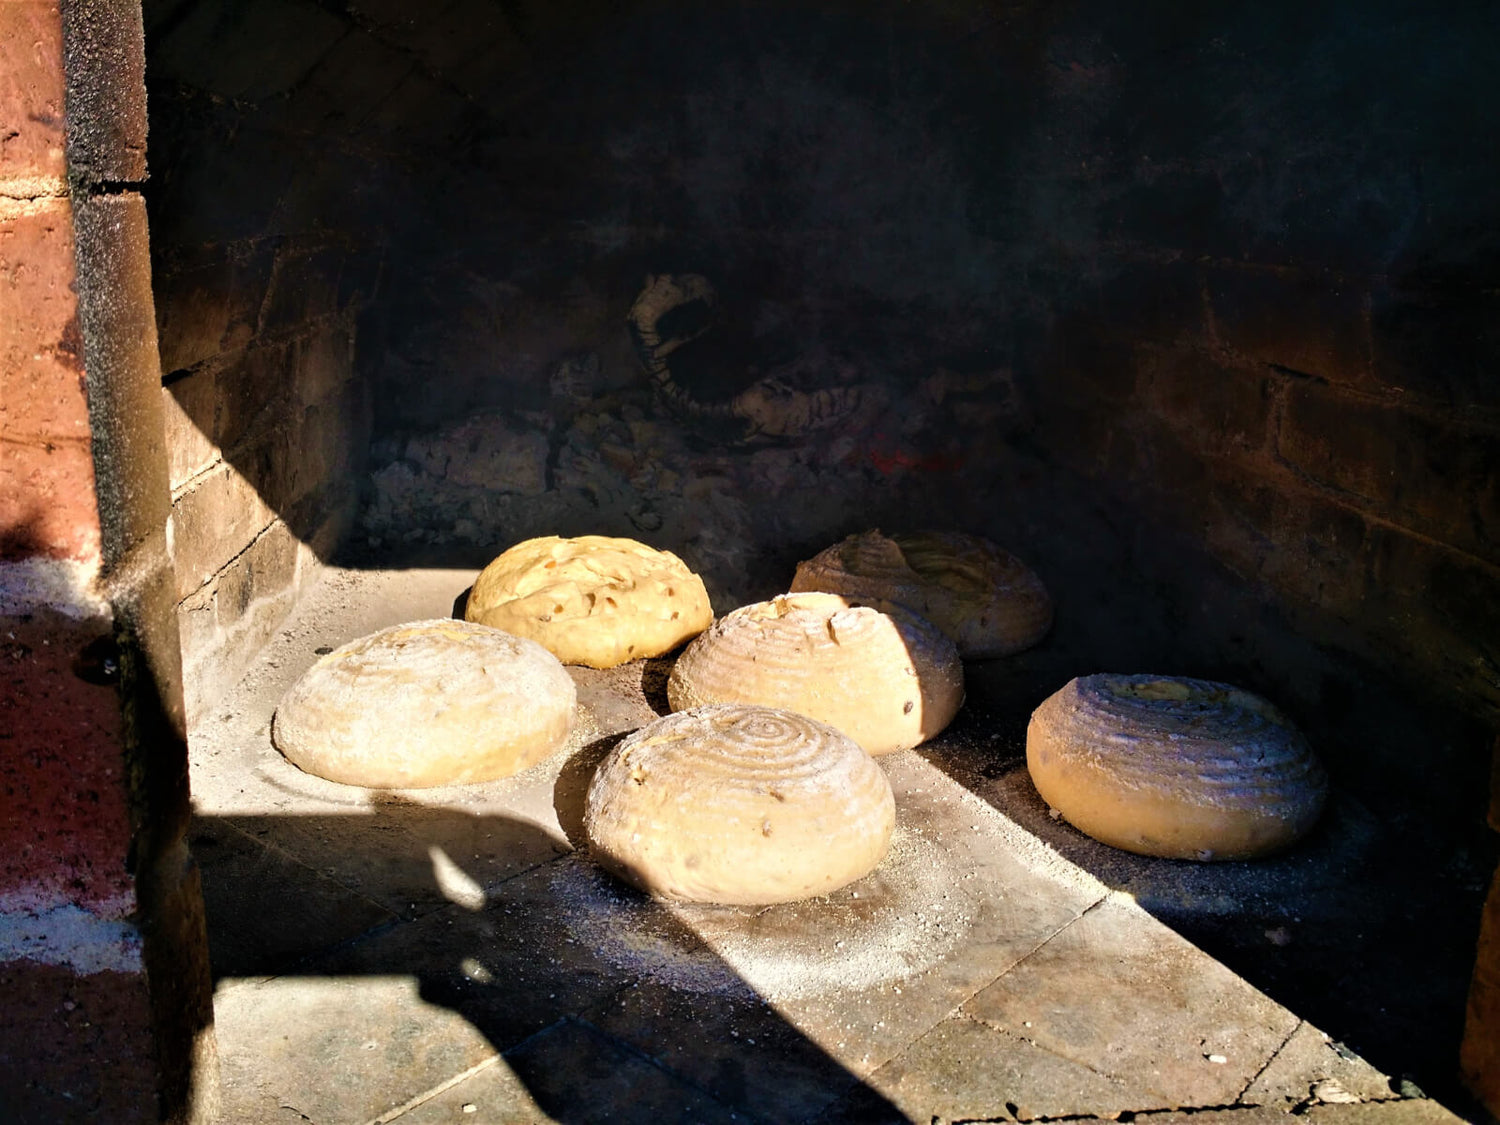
984	598
888	680
739	805
593	600
438	702
1181	768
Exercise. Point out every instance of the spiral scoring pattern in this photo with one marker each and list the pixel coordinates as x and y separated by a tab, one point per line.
1173	766
889	680
438	702
984	598
739	805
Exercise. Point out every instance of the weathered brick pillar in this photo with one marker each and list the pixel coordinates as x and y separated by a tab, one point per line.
105	1001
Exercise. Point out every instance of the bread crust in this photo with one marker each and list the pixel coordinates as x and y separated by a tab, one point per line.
985	599
739	805
594	600
438	702
884	677
1174	767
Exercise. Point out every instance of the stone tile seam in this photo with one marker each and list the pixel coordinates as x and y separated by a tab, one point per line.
1009	1034
1128	1115
441	1088
1276	1054
373	930
384	35
395	918
957	1011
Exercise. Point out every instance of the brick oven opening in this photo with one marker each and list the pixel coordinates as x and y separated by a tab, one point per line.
1193	311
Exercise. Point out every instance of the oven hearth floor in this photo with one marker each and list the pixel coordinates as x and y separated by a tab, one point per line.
452	955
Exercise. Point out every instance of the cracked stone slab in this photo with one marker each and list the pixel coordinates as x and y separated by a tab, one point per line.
1312	1067
571	1074
966	1070
338	1052
1123	995
1403	1111
857	975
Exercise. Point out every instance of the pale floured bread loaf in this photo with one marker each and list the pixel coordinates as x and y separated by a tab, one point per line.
593	600
437	702
739	805
1182	768
888	680
987	600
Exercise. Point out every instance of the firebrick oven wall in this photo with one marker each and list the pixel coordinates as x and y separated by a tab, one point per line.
1194	310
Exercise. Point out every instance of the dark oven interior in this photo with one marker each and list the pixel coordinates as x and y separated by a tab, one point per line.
1192	308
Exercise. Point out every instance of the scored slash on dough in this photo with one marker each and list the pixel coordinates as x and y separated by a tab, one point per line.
985	599
889	680
594	600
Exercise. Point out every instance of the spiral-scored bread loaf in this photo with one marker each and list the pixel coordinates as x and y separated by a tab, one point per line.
593	600
888	680
1174	767
739	805
988	601
439	702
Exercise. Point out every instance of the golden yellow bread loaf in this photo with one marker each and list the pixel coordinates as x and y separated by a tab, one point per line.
1174	767
889	680
593	600
988	601
439	702
739	805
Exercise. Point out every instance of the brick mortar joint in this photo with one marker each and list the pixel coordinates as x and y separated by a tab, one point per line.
1472	419
31	189
229	565
1287	475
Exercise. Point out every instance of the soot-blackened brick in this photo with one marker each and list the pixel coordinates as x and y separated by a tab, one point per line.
275	43
1443	347
1436	477
255	393
304	288
210	305
1315	326
1216	408
1439	609
1084	365
1151	301
355	76
1177	209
